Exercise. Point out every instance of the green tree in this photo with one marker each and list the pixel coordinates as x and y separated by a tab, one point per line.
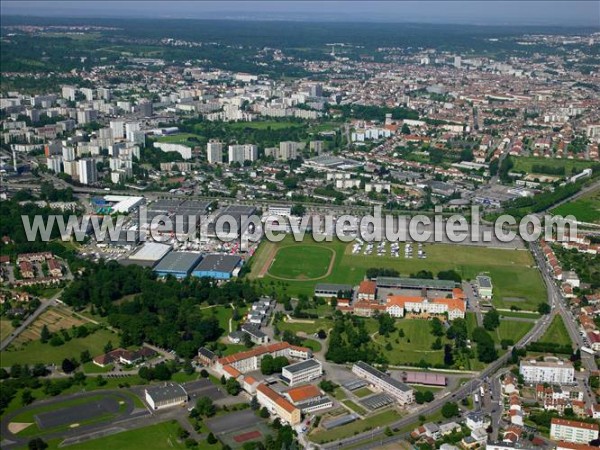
450	409
491	320
45	334
37	444
205	407
264	413
233	386
26	397
68	366
85	356
211	439
437	328
544	308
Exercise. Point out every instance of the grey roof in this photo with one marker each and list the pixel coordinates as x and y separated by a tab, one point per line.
332	287
206	353
302	365
414	283
166	392
178	262
151	251
384	377
218	263
253	330
483	281
313	402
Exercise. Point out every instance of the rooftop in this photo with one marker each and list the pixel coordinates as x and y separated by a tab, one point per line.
303	365
218	263
151	251
165	392
383	376
178	262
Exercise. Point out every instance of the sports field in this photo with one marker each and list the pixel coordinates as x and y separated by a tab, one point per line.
310	262
585	209
516	281
162	436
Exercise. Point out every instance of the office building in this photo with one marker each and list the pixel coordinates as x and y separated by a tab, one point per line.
400	391
302	372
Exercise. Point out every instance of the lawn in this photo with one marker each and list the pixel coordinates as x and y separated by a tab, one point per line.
339	394
362	392
162	436
414	346
315	346
310	262
35	351
378	420
585	209
307	326
516	281
91	368
525	164
421	388
354	407
557	332
511	329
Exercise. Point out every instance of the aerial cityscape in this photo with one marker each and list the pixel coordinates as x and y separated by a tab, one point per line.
300	225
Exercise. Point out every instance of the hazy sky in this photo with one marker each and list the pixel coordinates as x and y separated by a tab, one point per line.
540	12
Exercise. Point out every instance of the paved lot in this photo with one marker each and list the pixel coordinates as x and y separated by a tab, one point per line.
78	413
239	420
203	388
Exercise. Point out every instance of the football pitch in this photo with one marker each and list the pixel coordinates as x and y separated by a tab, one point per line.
301	265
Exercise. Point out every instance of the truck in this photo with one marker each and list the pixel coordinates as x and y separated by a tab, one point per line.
476	398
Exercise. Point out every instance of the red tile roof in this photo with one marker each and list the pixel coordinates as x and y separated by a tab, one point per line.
276	398
302	393
575	424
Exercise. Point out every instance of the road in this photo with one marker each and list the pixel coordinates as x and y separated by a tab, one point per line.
559	306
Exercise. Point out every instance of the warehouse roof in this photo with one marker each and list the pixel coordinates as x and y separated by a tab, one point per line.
178	262
151	251
218	263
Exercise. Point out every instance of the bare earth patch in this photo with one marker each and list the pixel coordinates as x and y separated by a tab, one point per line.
16	427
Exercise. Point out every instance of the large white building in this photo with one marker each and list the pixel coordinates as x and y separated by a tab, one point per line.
573	431
240	153
249	360
302	372
165	396
87	170
214	152
54	163
551	370
288	150
403	393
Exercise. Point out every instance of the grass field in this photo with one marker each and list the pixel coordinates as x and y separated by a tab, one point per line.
585	209
516	281
310	262
421	388
162	436
315	346
525	164
180	138
362	392
414	346
511	329
307	326
522	315
358	426
354	407
557	332
34	351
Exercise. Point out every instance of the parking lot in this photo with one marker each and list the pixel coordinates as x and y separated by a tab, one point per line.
78	413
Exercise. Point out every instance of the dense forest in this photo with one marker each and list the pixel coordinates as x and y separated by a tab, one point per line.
162	312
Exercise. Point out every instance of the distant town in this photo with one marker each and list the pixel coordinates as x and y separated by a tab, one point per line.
164	335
